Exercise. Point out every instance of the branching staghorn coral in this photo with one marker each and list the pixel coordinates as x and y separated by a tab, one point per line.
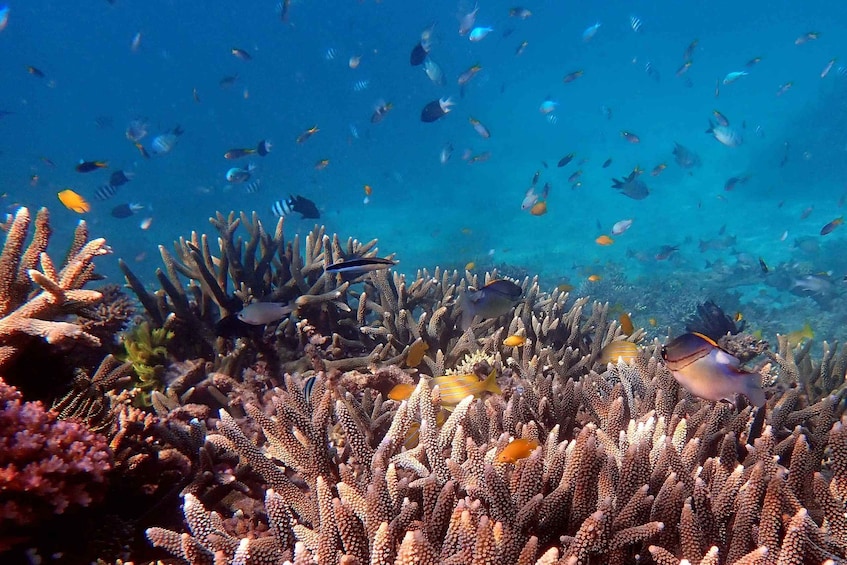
629	466
32	300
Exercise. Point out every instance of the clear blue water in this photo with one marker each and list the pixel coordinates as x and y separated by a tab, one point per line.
432	214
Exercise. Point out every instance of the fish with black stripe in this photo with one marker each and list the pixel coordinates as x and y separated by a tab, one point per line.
303	206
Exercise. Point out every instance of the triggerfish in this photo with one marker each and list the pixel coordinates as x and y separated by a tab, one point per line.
707	371
491	301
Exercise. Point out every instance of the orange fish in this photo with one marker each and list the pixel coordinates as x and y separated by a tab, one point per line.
307	134
539	208
623	350
595	278
604	240
401	391
73	201
514	341
416	354
470	266
658	169
518	449
321	165
626	324
830	227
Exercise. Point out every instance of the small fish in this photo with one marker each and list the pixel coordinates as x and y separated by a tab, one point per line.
763	266
418	55
380	111
479	33
626	323
262	148
631	186
454	388
689	51
594	278
808	36
635	23
401	391
732	182
360	266
105	192
539	208
514	341
416	353
683	69
479	127
570	77
720	118
707	371
195	95
307	134
617	351
666	251
806	212
604	240
521	48
726	135
590	32
797	337
253	187
88	166
263	313
241	54
753	62
657	170
783	88
228	81
468	74
126	210
828	67
73	201
163	143
303	206
734	76
830	227
606	163
4	17
146	223
519	13
321	164
237	175
446	153
621	226
630	137
436	109
566	159
493	300
120	178
35	72
135	45
467	21
516	450
434	72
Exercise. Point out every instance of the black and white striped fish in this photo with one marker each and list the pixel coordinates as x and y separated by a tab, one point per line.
303	206
635	23
253	187
105	192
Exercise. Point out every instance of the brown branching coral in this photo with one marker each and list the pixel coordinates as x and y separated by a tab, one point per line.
32	301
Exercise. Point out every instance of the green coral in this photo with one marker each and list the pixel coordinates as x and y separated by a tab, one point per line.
146	349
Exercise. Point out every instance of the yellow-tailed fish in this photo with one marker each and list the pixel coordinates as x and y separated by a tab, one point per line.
796	337
518	449
626	324
623	350
514	341
707	371
453	388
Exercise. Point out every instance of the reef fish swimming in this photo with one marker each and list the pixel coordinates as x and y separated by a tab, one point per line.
492	300
261	313
705	370
632	186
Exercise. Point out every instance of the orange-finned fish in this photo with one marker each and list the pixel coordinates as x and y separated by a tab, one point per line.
307	134
832	225
604	240
658	169
466	76
514	341
684	68
595	278
322	164
73	201
539	208
518	449
142	150
88	166
570	77
453	388
35	72
630	137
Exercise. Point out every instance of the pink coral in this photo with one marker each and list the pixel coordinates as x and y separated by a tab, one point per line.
46	465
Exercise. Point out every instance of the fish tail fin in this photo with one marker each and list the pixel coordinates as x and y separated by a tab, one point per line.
490	383
808	332
711	127
755	393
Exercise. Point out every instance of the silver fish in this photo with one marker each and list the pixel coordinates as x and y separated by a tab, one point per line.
726	135
496	298
433	71
261	313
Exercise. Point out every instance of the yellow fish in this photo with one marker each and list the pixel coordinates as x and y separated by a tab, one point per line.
514	341
518	449
454	388
624	350
401	391
796	337
416	353
73	201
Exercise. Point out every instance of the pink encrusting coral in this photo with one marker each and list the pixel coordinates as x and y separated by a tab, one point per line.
46	465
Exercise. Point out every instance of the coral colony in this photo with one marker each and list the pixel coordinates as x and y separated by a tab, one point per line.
182	433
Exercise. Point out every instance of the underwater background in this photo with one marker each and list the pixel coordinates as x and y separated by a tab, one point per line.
754	245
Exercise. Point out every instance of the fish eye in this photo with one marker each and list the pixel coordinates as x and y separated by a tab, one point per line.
664	353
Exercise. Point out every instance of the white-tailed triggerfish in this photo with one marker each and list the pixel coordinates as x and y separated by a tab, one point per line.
493	300
707	371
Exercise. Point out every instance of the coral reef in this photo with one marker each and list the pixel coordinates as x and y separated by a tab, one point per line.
47	466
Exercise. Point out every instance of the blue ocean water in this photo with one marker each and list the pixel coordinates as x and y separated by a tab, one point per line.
450	214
